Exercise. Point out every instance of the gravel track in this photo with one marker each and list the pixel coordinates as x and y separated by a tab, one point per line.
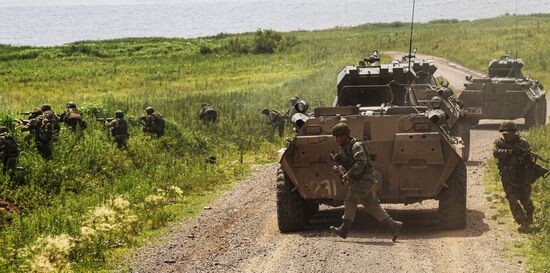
239	233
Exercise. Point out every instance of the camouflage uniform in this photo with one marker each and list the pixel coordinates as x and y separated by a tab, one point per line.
72	117
276	120
44	128
119	131
355	159
154	124
208	113
8	151
518	191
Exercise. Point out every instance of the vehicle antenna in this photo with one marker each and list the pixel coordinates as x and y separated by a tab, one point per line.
516	21
411	37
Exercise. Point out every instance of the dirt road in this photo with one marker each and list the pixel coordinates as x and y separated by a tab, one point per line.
239	233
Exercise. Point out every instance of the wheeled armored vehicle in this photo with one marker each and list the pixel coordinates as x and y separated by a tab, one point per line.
505	94
415	156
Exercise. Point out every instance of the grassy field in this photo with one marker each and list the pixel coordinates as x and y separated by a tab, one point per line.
92	202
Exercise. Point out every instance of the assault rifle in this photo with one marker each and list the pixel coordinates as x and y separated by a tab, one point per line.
535	156
105	119
142	120
341	169
25	113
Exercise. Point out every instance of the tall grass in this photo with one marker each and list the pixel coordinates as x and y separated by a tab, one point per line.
59	198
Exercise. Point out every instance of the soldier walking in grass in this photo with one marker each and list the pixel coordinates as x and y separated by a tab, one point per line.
72	117
208	113
276	120
360	177
509	150
44	127
153	123
119	129
8	151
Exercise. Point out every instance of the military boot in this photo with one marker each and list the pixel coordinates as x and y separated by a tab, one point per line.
525	227
342	230
394	226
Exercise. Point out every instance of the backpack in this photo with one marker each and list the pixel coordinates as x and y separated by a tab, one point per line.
49	126
8	146
120	128
159	123
73	113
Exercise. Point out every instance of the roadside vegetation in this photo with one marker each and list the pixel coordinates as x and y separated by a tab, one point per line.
92	202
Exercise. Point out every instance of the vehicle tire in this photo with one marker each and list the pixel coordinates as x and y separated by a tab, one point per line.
532	118
452	200
462	129
292	212
543	111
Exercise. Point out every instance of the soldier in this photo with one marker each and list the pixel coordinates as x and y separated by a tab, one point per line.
72	117
354	157
511	163
119	129
208	113
44	127
276	120
8	151
153	123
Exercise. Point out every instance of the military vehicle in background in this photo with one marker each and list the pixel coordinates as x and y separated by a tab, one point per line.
505	94
415	156
458	123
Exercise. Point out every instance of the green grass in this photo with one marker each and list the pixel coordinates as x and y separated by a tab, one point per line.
176	76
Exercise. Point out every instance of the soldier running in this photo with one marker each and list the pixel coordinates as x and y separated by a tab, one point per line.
511	163
276	120
354	157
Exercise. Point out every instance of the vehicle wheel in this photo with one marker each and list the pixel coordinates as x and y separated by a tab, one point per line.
532	118
543	111
292	211
462	129
452	200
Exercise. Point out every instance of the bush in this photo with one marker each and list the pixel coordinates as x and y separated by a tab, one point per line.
205	50
266	41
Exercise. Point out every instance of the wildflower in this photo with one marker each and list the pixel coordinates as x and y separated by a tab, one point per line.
120	203
177	190
153	199
87	233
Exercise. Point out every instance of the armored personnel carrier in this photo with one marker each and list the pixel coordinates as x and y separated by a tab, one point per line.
458	123
415	156
505	94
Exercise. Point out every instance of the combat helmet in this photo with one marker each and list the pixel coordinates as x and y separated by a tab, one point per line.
341	129
149	110
71	105
265	111
508	126
119	114
45	107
